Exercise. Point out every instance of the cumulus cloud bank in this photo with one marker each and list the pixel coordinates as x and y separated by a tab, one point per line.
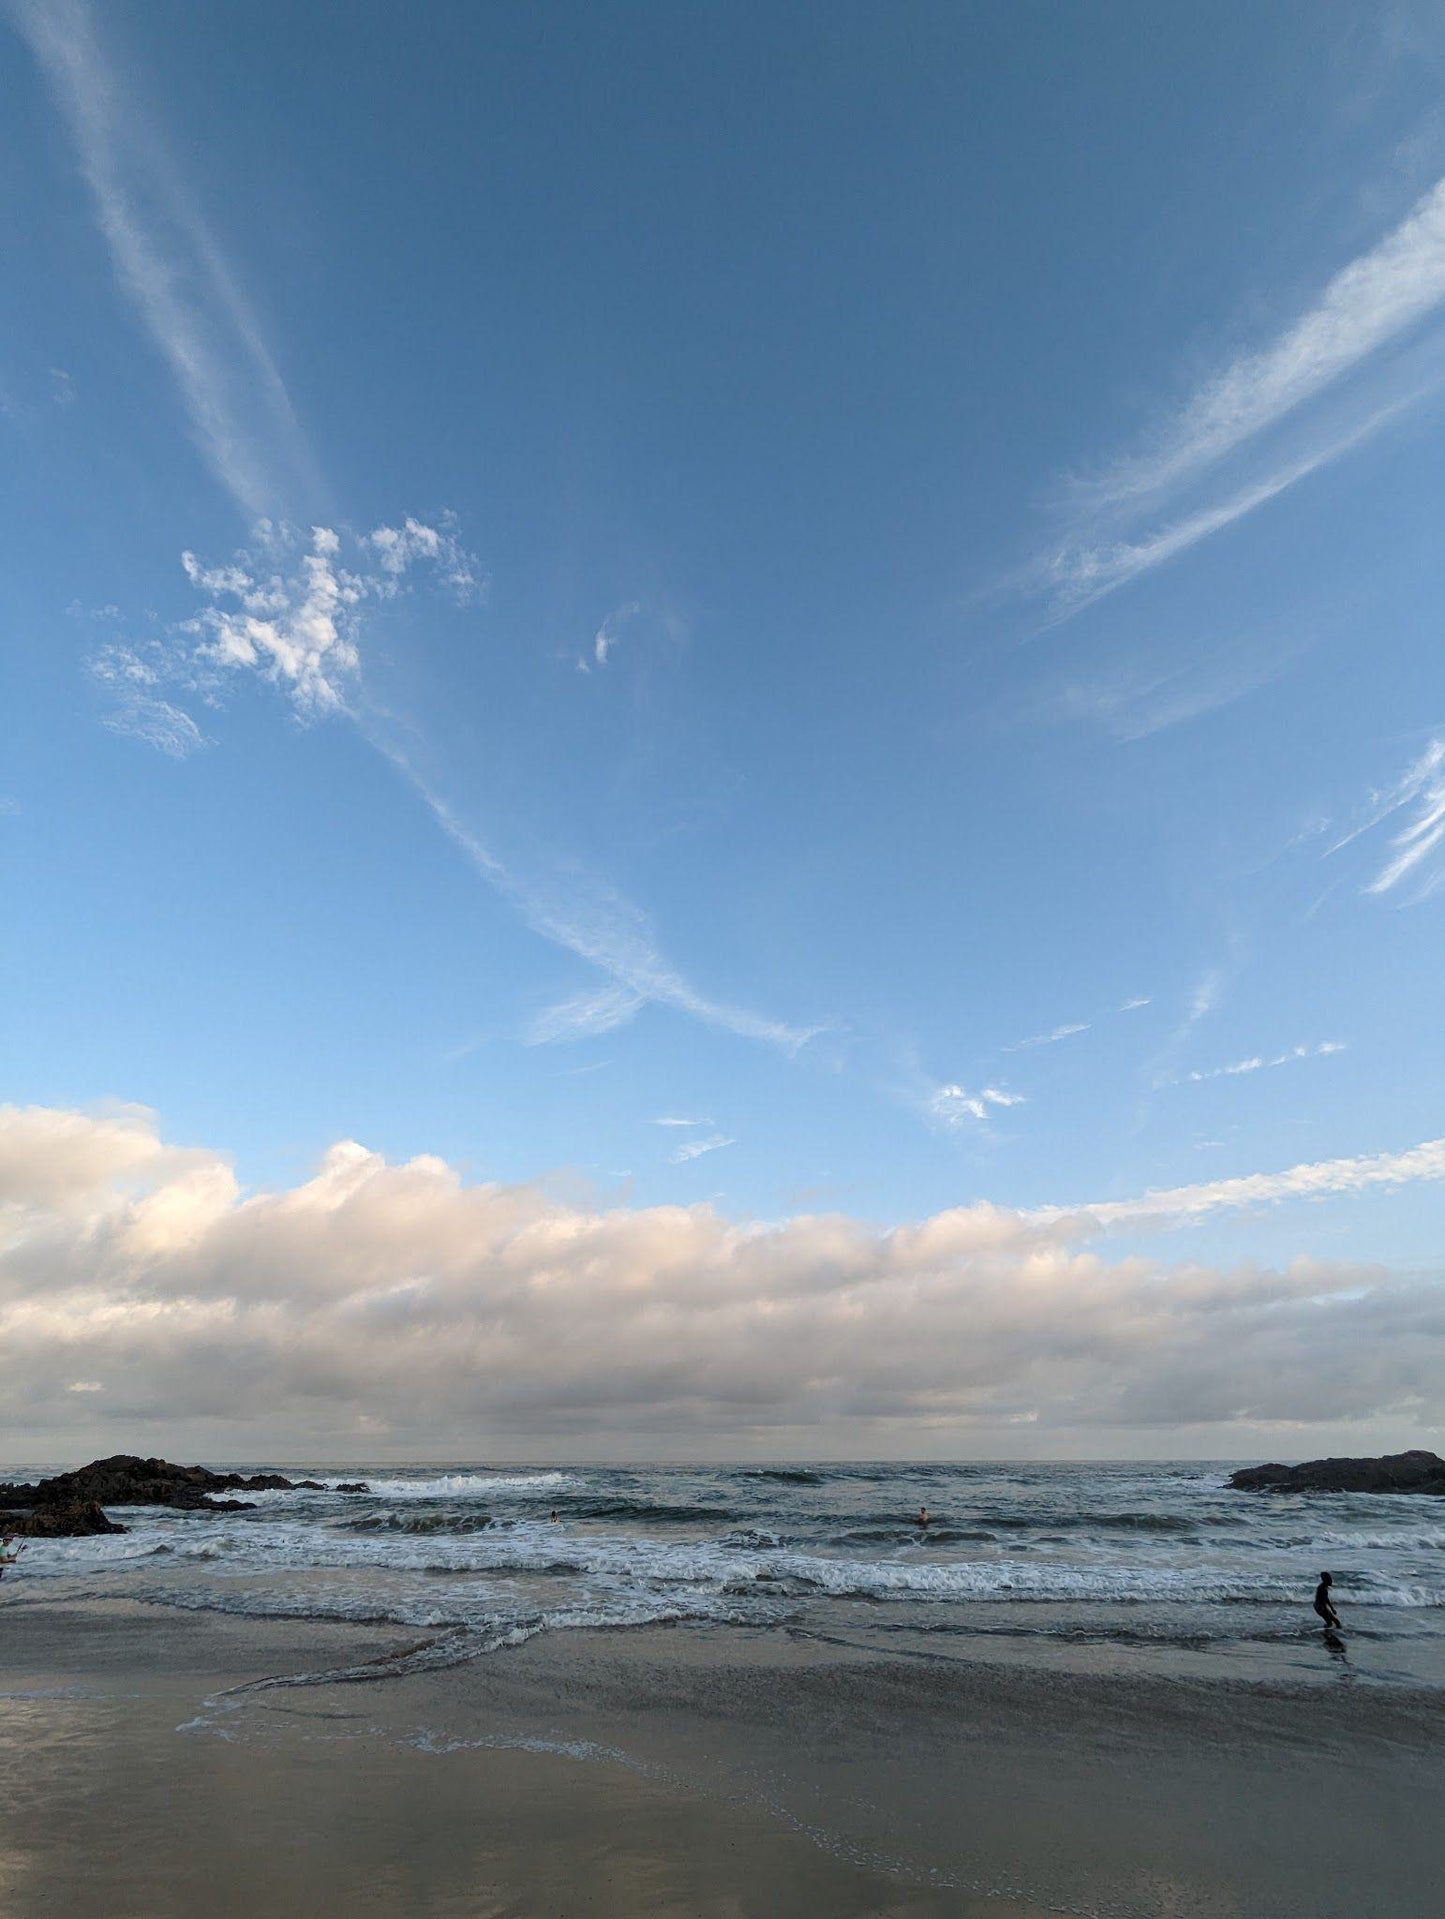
399	1303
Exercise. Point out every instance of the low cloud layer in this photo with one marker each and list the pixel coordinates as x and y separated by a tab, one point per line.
380	1306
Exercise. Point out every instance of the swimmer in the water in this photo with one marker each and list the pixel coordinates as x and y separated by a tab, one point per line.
554	1512
923	1518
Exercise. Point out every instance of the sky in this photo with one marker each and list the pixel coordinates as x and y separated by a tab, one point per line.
721	730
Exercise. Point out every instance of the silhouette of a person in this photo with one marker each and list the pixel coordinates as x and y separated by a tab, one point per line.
1324	1605
923	1518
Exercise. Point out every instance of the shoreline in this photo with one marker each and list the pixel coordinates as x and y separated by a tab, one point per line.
683	1770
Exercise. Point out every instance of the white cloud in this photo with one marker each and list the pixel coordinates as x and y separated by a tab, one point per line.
668	1120
1136	698
1132	1005
286	608
1259	1063
951	1105
596	924
156	723
291	609
295	624
586	1014
1322	1179
294	618
1204	998
171	269
401	1297
1050	1038
695	1148
9	809
399	548
1421	791
1085	570
1374	303
606	635
1368	303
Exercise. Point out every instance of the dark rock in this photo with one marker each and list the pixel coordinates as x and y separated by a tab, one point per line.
127	1480
74	1521
309	1486
353	1486
1412	1472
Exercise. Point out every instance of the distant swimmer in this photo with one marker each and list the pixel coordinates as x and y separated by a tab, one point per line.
1324	1605
554	1513
923	1518
9	1552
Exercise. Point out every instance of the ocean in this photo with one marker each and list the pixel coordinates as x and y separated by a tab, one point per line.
1092	1564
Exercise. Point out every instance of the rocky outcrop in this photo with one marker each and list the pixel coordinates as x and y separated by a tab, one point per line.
59	1522
69	1504
126	1480
1412	1472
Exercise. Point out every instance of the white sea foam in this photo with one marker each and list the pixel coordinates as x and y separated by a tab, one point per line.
474	1552
461	1486
468	1485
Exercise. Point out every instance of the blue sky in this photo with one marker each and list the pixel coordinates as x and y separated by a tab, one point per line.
877	594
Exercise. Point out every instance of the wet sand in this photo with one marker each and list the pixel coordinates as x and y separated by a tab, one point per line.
683	1771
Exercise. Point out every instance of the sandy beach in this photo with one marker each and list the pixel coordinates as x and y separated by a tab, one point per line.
675	1771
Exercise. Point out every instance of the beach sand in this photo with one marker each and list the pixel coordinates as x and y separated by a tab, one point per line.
698	1771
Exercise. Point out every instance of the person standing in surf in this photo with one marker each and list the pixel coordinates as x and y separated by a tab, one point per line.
1324	1605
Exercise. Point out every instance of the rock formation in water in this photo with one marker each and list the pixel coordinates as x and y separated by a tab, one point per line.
69	1504
1412	1472
58	1522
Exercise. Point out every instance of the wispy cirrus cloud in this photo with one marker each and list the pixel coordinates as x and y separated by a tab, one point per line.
1204	998
1419	794
594	923
1084	570
1121	526
607	635
1367	304
1261	1063
1320	1179
293	615
1052	1037
172	271
953	1106
669	1119
584	1015
691	1149
1137	697
132	680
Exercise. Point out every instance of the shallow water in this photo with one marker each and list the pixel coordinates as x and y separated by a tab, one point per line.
1036	1562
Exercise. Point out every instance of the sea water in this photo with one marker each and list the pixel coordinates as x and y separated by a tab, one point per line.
1037	1562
